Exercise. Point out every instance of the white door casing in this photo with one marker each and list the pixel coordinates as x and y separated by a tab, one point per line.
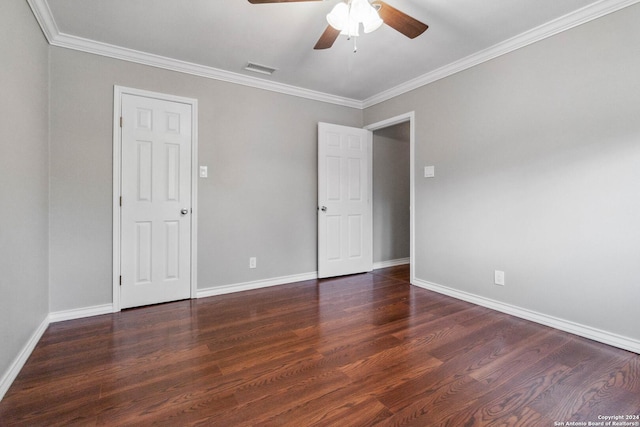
344	200
402	118
155	241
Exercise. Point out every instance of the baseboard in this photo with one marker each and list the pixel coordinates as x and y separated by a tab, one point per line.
391	263
605	337
257	284
18	363
78	313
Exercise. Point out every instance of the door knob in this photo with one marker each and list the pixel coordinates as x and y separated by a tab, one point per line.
184	211
323	209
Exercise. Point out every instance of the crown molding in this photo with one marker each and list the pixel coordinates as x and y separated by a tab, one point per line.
588	13
130	55
41	11
564	23
44	17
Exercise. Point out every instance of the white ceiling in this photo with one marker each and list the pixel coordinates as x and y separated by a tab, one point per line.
217	38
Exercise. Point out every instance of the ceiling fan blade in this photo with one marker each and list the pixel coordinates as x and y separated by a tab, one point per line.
327	38
277	1
400	21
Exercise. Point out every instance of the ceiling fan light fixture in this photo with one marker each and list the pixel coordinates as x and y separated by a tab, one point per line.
361	10
371	27
347	15
347	18
351	29
338	18
372	22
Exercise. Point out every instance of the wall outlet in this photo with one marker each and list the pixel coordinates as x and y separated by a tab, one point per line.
499	277
252	262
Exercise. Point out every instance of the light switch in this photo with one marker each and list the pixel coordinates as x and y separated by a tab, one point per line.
204	172
429	171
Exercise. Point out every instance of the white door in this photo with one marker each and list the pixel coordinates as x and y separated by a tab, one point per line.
344	200
155	239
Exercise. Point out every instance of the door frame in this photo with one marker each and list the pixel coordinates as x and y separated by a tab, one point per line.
118	92
403	118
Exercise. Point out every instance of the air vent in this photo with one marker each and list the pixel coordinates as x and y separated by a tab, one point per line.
257	68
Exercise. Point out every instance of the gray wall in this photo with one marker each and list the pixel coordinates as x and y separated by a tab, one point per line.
23	179
537	157
260	198
391	193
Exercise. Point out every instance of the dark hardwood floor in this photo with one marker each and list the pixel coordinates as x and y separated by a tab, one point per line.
361	350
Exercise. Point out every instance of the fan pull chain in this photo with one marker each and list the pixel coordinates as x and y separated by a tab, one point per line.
355	45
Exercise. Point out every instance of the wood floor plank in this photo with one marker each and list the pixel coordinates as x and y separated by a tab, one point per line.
367	412
275	408
522	417
436	403
336	405
513	397
579	385
361	350
521	357
628	378
285	376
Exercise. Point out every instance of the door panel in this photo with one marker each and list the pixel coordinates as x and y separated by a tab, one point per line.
355	236
156	201
344	200
143	252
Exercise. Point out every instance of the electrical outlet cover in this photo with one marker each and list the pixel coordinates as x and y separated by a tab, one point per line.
499	277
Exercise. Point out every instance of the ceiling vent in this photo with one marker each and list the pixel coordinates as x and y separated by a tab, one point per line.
257	68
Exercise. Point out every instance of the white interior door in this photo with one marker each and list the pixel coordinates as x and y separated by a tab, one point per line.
155	214
344	200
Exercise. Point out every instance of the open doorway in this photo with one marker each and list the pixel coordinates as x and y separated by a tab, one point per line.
391	218
393	191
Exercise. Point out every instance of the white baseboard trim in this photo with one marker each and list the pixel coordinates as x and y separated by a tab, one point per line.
595	334
18	363
257	284
391	263
78	313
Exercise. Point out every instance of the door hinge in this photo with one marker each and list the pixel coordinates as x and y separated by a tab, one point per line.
120	121
120	200
120	280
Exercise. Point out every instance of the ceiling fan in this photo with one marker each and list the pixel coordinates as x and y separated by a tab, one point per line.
346	17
